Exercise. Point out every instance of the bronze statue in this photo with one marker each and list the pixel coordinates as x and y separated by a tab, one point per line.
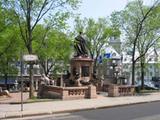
80	46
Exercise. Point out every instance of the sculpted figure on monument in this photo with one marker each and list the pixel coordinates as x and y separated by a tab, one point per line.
80	46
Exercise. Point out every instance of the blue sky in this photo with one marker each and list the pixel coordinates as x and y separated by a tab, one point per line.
100	8
103	8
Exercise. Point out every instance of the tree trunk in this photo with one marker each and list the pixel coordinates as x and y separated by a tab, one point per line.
6	81
6	76
94	66
46	67
142	73
133	62
31	92
133	72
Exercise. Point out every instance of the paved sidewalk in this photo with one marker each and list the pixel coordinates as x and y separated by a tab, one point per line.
42	108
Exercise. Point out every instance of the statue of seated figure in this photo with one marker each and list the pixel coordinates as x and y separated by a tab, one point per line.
80	46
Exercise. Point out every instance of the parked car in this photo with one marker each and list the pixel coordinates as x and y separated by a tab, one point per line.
156	81
149	85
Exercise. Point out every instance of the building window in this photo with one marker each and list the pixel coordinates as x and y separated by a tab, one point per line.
85	71
114	54
150	59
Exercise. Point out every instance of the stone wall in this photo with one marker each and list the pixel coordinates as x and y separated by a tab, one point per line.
122	90
67	93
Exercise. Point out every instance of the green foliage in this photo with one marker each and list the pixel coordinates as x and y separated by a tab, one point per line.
52	13
56	45
130	20
115	23
97	34
10	47
52	46
141	34
9	43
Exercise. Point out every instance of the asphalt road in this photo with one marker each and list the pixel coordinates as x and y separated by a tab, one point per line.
147	111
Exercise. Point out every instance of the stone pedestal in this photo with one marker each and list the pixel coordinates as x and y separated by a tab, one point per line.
67	93
81	70
113	91
122	90
92	92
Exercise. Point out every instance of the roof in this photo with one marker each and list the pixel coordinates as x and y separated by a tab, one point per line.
109	53
112	52
151	56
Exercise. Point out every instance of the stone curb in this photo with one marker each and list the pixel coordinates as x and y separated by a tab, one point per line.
103	107
36	113
24	114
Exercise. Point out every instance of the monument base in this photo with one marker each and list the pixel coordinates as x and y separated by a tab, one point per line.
81	70
67	93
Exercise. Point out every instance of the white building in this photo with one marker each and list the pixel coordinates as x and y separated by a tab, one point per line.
152	69
124	65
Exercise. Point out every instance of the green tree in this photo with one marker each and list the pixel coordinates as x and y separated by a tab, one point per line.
132	21
53	48
97	34
148	39
30	12
9	44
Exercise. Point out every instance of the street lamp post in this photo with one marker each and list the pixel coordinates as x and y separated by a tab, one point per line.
115	71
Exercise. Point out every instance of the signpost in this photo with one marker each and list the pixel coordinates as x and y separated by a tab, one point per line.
30	58
27	58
